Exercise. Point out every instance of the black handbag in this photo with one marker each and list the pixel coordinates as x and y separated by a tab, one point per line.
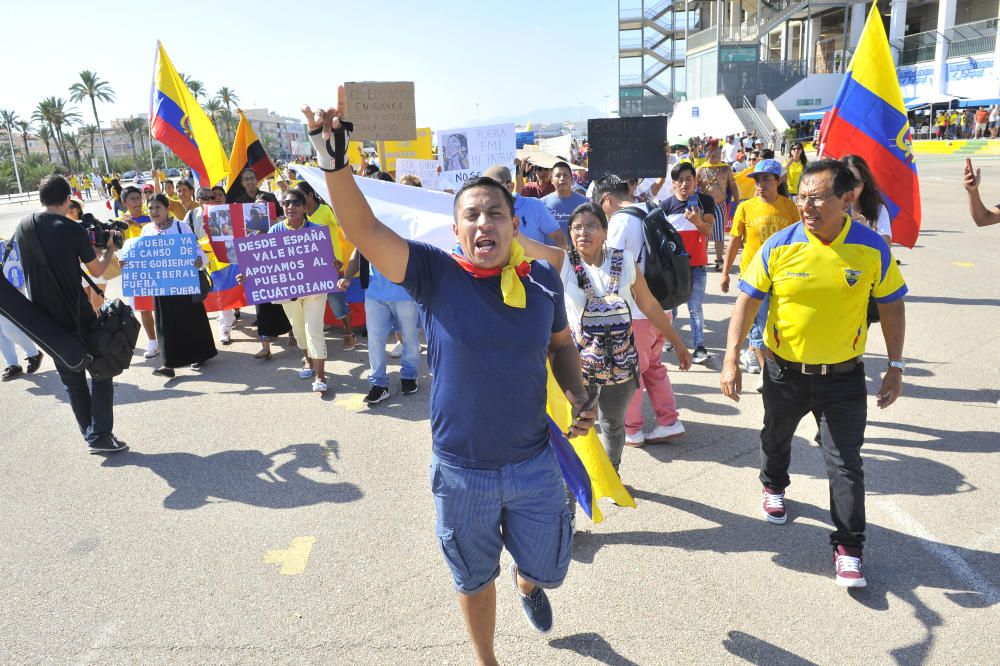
204	286
112	335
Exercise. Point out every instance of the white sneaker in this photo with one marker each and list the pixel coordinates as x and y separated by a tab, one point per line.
152	349
664	432
748	362
638	439
396	351
760	384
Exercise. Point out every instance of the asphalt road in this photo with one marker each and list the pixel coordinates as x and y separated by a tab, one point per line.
254	522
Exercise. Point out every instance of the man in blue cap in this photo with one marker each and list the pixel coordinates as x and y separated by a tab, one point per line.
756	219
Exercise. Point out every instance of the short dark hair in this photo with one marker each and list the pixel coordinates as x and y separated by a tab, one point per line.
186	183
843	179
489	183
131	189
591	208
609	185
680	168
371	170
161	199
382	175
767	154
268	197
563	163
73	203
305	189
54	190
219	188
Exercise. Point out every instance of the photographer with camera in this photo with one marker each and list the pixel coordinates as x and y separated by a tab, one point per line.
52	249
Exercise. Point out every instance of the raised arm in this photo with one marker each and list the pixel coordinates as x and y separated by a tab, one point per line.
385	249
981	215
553	255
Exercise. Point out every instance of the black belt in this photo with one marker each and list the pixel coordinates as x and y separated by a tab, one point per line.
815	369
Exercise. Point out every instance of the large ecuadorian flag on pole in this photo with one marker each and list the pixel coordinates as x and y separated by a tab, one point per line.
178	122
868	119
247	153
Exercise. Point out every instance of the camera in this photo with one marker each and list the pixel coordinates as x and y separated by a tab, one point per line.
99	232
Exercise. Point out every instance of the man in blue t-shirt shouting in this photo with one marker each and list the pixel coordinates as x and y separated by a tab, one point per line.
492	319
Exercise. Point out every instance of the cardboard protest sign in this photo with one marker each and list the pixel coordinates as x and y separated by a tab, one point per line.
418	149
561	146
627	147
291	264
466	153
161	265
425	170
382	111
13	272
525	137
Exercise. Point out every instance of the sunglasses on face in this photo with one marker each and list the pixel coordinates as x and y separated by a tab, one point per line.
291	202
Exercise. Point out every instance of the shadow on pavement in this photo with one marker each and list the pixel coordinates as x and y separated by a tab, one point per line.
897	564
246	476
592	645
970	441
757	651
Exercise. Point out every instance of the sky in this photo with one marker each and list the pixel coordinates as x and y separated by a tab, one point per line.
508	58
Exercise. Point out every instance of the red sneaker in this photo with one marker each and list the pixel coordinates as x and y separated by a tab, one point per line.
847	561
774	505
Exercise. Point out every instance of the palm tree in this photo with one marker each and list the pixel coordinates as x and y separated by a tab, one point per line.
214	109
131	126
91	132
44	134
196	87
143	132
25	128
53	111
72	142
229	98
92	87
7	119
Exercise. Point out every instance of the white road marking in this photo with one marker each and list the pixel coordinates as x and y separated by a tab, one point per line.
942	552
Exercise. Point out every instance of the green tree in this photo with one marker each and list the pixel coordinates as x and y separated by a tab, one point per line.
54	112
44	134
93	88
214	109
25	128
229	99
91	132
131	127
196	87
75	146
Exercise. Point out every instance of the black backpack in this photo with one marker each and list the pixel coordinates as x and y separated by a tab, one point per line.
668	264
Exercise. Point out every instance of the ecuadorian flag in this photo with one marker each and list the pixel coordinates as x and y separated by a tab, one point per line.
584	464
247	153
178	122
868	119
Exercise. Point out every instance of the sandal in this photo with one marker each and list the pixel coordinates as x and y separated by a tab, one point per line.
10	372
263	354
350	342
319	387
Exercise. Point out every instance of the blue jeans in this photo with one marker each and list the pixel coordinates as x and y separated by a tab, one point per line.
338	304
759	323
379	317
93	406
520	506
695	305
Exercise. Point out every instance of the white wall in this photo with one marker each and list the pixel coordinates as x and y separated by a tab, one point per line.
710	115
822	87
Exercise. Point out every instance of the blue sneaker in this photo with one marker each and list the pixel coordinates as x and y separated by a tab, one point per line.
536	605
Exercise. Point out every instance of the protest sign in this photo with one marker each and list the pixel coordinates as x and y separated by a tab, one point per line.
522	138
160	265
13	272
382	111
466	153
418	149
425	170
560	146
627	147
291	264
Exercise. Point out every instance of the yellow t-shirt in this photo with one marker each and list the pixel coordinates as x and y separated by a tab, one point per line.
324	215
74	183
745	183
757	220
820	292
794	176
177	209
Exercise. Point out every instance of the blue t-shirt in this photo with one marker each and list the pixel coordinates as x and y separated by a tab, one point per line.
281	227
382	289
488	359
537	222
561	209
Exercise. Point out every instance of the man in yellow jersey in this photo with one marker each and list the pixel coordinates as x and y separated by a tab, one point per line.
820	274
755	221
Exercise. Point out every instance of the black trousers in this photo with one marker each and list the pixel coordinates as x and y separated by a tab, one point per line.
840	405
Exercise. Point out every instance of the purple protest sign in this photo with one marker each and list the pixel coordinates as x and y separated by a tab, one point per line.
292	264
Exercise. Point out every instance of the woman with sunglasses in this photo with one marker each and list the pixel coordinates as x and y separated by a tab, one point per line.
869	207
306	312
797	161
591	263
181	324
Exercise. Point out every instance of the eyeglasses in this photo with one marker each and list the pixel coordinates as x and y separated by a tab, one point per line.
205	197
815	200
291	202
584	228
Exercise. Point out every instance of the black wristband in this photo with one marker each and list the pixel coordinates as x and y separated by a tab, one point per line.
336	145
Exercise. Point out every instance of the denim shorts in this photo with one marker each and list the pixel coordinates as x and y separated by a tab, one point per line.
520	506
338	304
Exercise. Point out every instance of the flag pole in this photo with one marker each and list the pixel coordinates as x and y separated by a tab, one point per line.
149	114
